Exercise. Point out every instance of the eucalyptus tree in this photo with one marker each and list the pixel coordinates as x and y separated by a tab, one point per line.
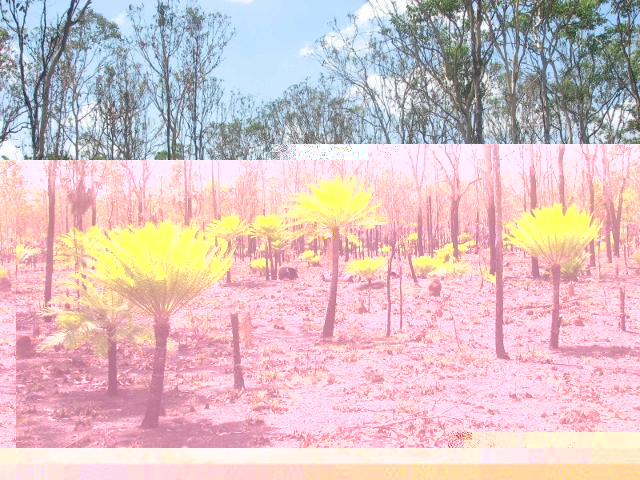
207	35
39	51
122	127
160	43
10	105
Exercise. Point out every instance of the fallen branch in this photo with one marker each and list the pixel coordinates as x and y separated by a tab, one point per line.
390	424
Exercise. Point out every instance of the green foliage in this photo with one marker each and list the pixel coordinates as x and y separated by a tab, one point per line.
445	253
310	257
367	268
75	248
464	237
426	265
385	249
335	204
267	227
457	268
636	257
571	269
3	273
259	264
159	269
306	255
23	252
412	238
98	317
228	227
551	236
489	277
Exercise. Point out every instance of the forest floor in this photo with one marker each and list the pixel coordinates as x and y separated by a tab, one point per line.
7	371
437	376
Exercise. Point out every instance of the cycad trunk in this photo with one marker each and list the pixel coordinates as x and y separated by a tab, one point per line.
157	377
330	319
113	369
555	316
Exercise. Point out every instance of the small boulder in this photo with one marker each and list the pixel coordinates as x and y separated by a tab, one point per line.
24	346
289	273
435	287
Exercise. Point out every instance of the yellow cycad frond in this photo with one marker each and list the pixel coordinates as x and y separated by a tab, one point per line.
336	204
161	268
552	236
228	228
367	268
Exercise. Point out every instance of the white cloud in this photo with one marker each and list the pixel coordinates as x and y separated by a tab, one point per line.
120	19
306	50
9	150
247	2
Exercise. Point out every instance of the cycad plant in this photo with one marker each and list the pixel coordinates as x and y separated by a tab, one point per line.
269	228
74	248
554	238
159	269
426	265
229	228
22	253
367	268
101	317
331	208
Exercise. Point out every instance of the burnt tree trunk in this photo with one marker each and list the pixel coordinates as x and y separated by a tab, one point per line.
238	379
393	254
555	316
533	194
500	351
51	232
623	315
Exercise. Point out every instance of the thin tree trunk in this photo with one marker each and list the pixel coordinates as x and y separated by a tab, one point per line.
555	316
156	388
500	351
491	208
455	225
413	271
113	367
238	379
330	318
420	243
563	200
393	254
51	232
533	194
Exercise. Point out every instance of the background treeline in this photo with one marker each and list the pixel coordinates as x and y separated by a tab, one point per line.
437	192
469	71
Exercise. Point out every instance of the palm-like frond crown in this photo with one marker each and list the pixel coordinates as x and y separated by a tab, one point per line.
267	226
23	252
228	228
336	204
159	269
551	236
99	315
76	247
367	268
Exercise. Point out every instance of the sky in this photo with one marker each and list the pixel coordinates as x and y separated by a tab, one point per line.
267	53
